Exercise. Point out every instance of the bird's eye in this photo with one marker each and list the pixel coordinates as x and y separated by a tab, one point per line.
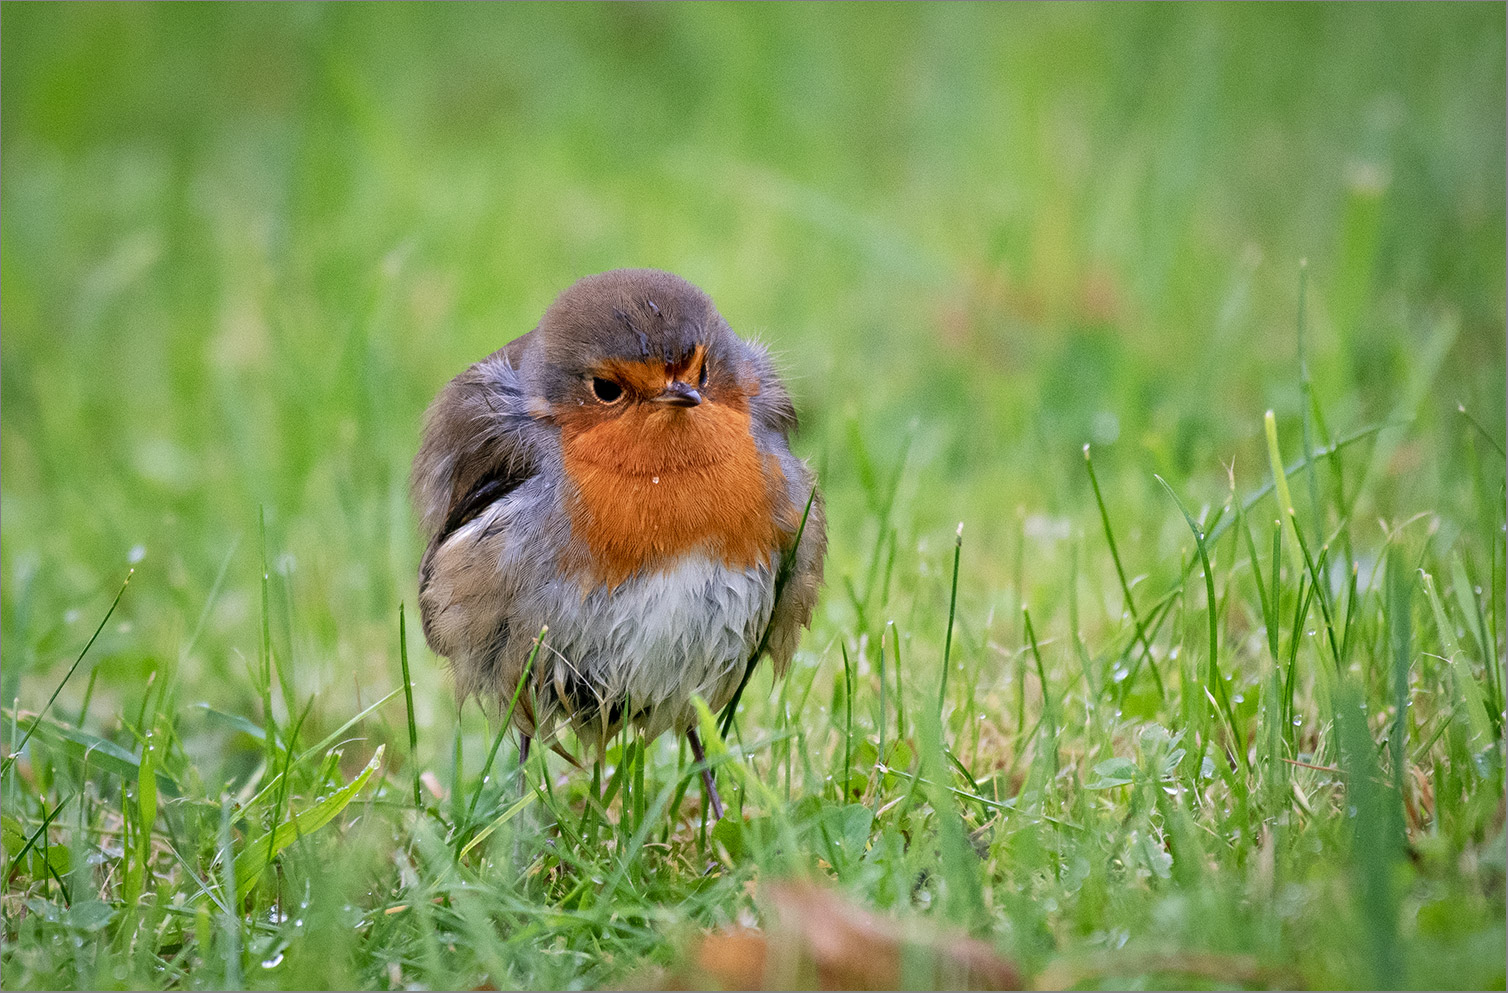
606	390
702	380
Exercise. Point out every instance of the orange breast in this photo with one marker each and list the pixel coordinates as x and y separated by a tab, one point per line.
654	483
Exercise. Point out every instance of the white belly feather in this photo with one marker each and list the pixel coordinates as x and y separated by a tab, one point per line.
659	638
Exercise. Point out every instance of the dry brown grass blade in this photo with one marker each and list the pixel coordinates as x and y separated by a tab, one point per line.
816	939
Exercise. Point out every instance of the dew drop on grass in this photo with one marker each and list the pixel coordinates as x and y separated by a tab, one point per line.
273	962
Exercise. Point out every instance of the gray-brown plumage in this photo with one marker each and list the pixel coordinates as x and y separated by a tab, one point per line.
622	474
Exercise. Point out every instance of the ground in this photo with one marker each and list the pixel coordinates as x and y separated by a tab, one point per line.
1139	725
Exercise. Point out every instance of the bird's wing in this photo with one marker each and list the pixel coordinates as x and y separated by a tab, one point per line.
774	421
800	578
478	447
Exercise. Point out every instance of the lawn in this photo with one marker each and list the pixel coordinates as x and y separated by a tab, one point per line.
1145	719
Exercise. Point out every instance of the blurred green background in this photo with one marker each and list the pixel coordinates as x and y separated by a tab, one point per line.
244	245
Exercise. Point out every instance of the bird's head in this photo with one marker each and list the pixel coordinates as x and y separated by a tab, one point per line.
639	344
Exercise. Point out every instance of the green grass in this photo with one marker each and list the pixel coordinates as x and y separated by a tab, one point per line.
1185	711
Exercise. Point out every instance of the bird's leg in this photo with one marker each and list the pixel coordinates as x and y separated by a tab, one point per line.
709	786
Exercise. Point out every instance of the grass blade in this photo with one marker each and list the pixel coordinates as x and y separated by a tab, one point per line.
502	730
503	818
10	759
1460	667
1049	719
265	660
1306	399
408	700
259	853
1120	573
1213	610
942	689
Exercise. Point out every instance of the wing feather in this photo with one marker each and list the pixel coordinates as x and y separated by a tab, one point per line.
477	448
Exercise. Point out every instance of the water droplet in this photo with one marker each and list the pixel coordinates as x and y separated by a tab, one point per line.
273	962
1297	721
654	479
1238	698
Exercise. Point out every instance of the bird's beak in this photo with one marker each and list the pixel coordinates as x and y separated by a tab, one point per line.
679	394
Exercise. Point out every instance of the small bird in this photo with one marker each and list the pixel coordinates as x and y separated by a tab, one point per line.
620	475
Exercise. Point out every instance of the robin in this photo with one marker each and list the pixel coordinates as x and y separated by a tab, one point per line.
622	475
